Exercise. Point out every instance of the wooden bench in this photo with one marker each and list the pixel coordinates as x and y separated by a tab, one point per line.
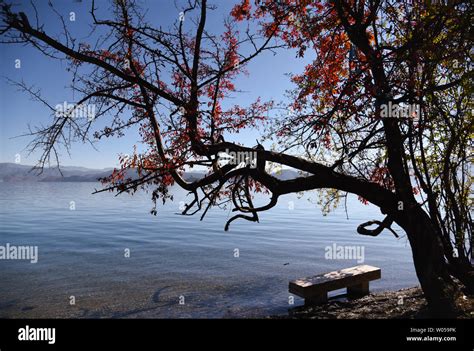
315	289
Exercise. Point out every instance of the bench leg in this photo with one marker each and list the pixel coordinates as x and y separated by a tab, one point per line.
319	299
359	290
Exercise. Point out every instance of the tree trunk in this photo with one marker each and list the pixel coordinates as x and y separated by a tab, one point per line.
440	291
461	268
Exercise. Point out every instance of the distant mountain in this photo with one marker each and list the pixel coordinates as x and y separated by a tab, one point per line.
13	172
287	174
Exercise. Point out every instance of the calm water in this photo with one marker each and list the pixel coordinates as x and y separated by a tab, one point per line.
173	258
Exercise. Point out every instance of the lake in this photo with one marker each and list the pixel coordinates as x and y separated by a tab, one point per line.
107	257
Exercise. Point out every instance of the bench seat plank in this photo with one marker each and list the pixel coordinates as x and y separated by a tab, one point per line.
349	277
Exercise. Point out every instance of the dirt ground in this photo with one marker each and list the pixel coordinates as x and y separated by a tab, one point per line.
406	303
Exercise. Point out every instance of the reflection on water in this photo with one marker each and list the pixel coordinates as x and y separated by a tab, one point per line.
178	266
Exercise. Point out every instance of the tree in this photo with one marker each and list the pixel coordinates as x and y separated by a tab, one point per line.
381	112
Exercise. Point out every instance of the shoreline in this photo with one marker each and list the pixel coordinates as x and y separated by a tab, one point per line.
407	303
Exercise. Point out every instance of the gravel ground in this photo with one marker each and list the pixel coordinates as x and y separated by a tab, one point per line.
405	303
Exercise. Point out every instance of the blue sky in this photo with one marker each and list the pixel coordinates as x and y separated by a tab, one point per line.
266	79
